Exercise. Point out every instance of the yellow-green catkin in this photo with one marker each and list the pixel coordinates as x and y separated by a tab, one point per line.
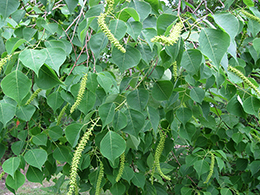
255	136
81	92
251	16
172	38
110	36
244	78
61	113
211	169
2	174
121	168
157	156
33	96
3	61
99	179
110	5
175	70
76	159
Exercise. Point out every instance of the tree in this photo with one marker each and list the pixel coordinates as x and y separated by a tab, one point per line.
131	96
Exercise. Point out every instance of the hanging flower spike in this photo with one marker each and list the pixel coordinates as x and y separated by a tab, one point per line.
81	92
61	113
211	169
172	38
110	36
99	179
3	61
244	78
121	168
175	70
251	16
33	96
76	159
110	5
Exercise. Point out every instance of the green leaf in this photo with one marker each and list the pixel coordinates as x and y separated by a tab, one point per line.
50	27
7	112
119	121
127	13
142	8
36	157
72	133
197	94
163	22
47	78
106	113
106	80
55	132
85	161
34	175
251	105
17	181
62	44
254	167
61	154
8	7
139	180
187	131
135	122
241	164
13	43
162	90
256	45
16	85
249	3
55	100
40	139
97	43
25	112
2	150
94	11
33	59
137	99
126	60
11	165
128	174
191	61
28	33
154	117
112	146
71	4
146	52
134	29
118	28
17	147
228	22
118	189
214	44
184	114
201	167
55	58
225	191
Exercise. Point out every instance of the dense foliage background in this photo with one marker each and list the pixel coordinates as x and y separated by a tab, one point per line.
89	94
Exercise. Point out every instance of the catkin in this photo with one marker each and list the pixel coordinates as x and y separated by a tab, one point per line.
211	169
172	38
251	16
121	168
244	78
3	61
157	156
255	136
76	158
61	113
33	96
81	92
175	70
99	179
110	36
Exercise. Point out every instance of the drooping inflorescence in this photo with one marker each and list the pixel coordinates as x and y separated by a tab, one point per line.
33	96
211	169
81	92
157	156
105	29
175	70
99	179
121	168
61	113
251	16
244	78
3	61
76	158
172	38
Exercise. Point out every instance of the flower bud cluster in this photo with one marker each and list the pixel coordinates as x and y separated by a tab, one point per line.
33	96
211	169
99	179
121	168
251	16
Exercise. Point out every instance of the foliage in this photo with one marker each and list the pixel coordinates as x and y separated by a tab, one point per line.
131	97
